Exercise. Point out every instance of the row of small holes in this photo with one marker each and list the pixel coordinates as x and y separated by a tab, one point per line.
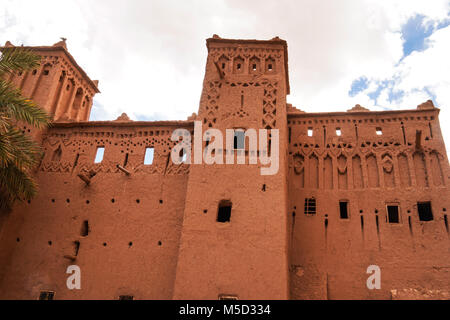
104	243
112	200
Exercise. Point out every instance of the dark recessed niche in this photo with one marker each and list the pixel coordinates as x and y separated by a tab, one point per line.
160	201
130	244
18	239
105	244
205	211
87	202
113	200
138	201
376	210
67	200
53	200
29	201
360	211
159	243
49	243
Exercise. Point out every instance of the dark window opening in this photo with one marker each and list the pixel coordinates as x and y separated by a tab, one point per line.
46	295
254	67
85	228
310	206
393	215
223	65
46	72
424	209
126	297
238	66
270	67
224	212
343	209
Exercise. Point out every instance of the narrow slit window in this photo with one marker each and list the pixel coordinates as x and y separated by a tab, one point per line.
310	132
338	132
85	228
126	297
393	214
148	158
99	154
224	211
379	131
46	295
343	209
310	206
424	209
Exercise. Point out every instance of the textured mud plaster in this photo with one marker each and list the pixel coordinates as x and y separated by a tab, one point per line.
142	227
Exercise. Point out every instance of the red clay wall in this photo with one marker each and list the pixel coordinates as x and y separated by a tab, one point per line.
330	255
246	257
146	269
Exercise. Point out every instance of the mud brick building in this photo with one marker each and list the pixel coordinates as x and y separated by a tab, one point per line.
354	189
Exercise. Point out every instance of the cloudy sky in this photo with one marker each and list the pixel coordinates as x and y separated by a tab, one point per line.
149	55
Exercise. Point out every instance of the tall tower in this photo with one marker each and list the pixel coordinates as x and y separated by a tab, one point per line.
234	239
59	85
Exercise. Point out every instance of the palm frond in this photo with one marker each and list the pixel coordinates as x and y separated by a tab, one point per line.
16	184
18	59
13	105
18	149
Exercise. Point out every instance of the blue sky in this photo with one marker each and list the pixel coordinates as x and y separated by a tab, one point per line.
414	34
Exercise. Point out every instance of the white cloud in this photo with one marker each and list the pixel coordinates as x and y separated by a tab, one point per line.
149	55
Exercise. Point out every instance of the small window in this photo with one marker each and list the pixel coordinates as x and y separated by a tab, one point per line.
343	209
126	297
224	212
148	158
379	131
338	132
393	214
239	139
46	72
228	297
310	206
223	65
270	67
424	209
310	132
254	67
99	154
238	66
46	295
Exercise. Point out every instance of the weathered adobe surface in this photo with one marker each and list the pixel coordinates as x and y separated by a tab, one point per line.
151	231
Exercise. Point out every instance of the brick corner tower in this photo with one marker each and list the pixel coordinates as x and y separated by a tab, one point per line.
234	238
